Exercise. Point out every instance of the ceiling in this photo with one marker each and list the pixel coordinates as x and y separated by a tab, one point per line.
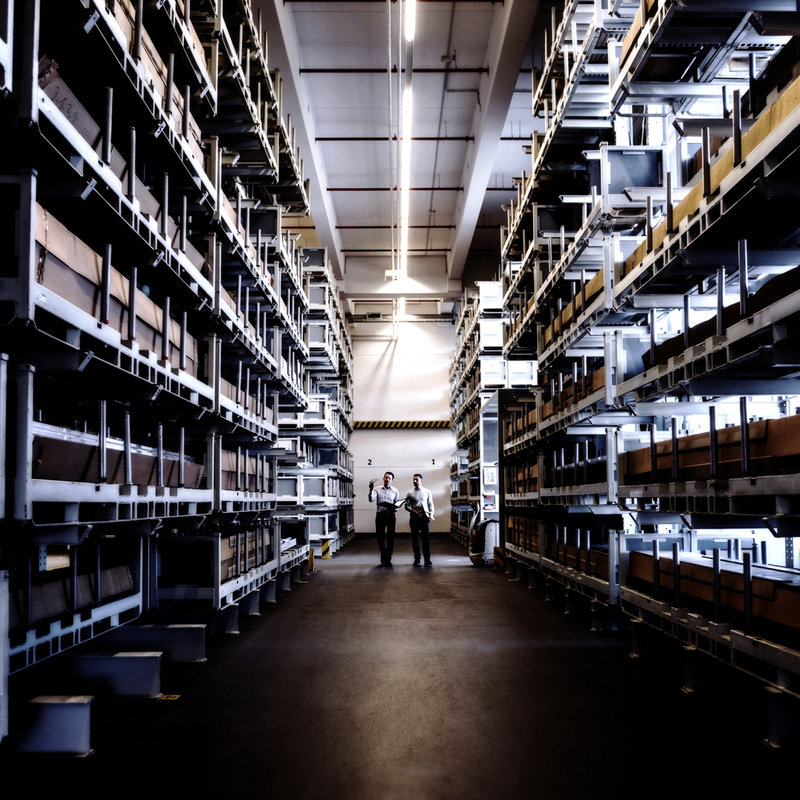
472	115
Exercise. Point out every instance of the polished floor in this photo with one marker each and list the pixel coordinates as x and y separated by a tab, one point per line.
447	682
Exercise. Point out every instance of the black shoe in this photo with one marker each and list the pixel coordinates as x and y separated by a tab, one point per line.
416	563
429	563
388	562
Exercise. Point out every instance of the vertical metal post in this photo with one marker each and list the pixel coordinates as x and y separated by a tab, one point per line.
751	64
747	588
674	449
164	227
184	318
687	332
652	337
105	289
102	449
187	98
586	462
745	436
184	222
170	84
239	384
30	14
670	209
656	571
706	159
737	128
588	551
712	441
160	456
653	454
676	574
127	469
238	485
138	26
132	166
132	304
107	126
187	11
648	224
166	323
743	282
717	584
23	376
720	301
181	457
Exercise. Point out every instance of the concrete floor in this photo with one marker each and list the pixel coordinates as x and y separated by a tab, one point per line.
448	682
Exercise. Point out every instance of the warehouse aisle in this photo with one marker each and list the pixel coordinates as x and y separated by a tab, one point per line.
449	682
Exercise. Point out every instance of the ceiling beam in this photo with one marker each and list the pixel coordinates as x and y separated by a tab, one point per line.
389	189
379	71
284	53
507	45
394	138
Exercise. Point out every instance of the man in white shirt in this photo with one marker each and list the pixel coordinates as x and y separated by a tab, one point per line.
419	504
386	498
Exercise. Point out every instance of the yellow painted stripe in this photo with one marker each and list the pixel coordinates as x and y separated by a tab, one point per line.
326	548
371	424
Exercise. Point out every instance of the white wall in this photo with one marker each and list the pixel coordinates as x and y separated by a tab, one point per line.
403	379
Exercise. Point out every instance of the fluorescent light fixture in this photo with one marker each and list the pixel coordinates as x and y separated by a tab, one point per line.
405	152
405	178
411	19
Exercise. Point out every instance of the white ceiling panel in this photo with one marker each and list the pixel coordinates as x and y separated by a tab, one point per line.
331	51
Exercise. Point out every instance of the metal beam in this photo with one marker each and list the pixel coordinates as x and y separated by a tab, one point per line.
384	71
394	139
742	386
389	189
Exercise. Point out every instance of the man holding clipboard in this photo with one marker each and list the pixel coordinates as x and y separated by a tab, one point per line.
387	501
419	504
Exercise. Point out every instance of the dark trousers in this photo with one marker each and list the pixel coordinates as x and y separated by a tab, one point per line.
384	531
420	529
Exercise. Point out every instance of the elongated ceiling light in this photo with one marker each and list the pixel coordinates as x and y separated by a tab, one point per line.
405	153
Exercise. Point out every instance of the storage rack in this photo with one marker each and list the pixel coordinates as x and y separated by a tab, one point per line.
653	468
477	372
154	319
319	483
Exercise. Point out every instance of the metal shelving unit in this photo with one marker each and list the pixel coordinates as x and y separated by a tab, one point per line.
318	484
155	320
477	373
651	274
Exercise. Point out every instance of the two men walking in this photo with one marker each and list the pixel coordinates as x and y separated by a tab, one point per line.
418	502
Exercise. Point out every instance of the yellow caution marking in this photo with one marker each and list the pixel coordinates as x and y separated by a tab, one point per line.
326	549
169	696
395	423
